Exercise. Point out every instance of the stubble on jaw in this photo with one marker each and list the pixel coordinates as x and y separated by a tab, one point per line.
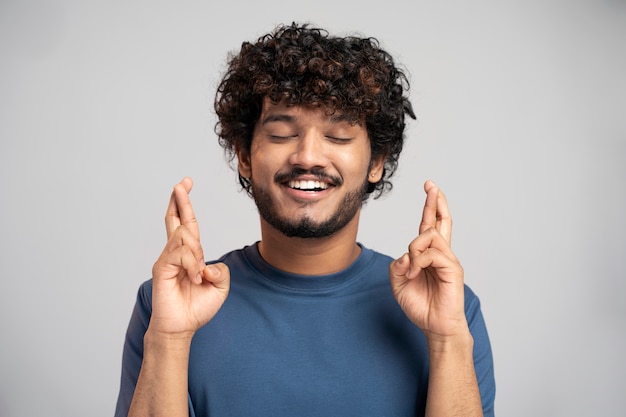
305	227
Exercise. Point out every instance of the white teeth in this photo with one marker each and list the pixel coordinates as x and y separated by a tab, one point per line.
308	185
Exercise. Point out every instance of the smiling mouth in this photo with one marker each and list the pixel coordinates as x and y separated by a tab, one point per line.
308	185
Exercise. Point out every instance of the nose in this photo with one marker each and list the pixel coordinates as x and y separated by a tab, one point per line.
309	151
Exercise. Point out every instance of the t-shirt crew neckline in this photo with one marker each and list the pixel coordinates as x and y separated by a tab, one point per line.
308	283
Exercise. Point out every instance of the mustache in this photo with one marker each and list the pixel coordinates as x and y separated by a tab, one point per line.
282	177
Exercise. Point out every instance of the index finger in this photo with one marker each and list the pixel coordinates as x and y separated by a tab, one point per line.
180	211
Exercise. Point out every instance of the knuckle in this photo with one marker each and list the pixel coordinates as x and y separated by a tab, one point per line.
432	231
414	247
156	266
181	234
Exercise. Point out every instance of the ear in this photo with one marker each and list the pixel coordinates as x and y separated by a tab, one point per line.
243	163
377	167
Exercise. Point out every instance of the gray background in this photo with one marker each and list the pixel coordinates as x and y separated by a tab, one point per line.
104	105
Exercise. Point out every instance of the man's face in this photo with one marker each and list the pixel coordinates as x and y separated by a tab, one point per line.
309	171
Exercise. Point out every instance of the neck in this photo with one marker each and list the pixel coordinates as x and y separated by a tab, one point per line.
319	256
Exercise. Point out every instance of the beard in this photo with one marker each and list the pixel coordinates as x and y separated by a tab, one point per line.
305	227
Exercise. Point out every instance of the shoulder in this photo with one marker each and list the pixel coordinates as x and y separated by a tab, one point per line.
472	303
375	258
144	295
237	256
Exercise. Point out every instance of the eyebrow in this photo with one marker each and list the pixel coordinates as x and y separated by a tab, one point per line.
278	117
287	118
341	117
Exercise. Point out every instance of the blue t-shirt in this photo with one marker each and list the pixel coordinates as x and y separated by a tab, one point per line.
296	345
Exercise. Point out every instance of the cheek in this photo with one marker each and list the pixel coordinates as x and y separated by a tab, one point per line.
355	162
264	164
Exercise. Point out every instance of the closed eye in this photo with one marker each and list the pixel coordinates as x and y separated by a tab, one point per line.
339	140
281	138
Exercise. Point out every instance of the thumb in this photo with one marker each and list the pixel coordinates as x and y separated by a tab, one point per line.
399	267
218	274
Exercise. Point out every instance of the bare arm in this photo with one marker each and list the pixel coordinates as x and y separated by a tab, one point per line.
186	294
162	386
427	281
452	385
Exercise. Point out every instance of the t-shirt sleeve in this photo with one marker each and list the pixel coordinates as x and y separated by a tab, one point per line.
132	356
133	348
483	357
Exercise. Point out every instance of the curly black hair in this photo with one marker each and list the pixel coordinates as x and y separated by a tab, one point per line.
302	65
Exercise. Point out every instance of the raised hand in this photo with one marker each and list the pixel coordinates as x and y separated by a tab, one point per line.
428	280
186	293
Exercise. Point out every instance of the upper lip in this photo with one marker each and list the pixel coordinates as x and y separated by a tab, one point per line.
308	183
307	177
325	181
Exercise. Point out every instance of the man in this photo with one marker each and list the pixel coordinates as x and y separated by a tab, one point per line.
308	322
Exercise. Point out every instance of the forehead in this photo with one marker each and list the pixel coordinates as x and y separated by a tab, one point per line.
281	112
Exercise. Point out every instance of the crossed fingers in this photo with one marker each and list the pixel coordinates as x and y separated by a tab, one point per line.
436	214
432	247
179	211
183	247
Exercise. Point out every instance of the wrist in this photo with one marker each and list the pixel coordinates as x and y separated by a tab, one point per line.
162	341
461	342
